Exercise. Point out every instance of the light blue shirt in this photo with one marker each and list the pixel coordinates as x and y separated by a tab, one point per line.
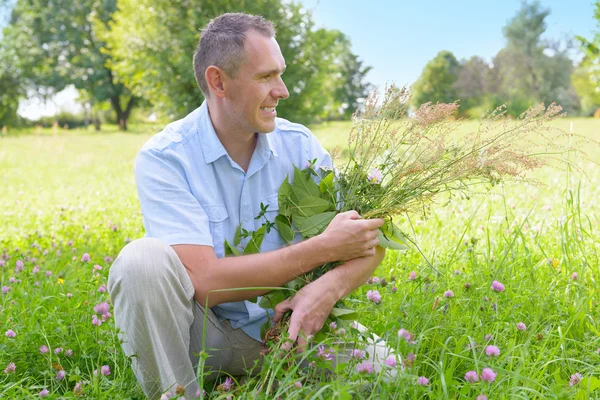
192	192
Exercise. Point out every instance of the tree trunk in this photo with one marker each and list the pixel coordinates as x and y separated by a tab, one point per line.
122	115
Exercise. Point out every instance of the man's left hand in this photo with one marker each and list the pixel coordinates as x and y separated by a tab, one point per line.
310	308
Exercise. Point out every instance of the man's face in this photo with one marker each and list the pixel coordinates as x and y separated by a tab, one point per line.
252	96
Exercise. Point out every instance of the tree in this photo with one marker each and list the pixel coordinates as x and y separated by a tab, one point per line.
352	88
56	44
585	80
476	87
437	81
531	70
11	89
153	42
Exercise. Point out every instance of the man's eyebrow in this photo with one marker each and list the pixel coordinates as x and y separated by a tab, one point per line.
273	71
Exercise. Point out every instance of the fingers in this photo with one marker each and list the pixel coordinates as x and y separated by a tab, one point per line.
293	332
372	244
301	343
281	309
374	223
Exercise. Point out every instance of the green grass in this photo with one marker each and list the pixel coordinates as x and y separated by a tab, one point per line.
70	193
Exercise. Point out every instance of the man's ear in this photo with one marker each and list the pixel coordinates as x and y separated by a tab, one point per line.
214	79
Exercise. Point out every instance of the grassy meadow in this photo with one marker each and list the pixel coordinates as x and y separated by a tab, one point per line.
68	205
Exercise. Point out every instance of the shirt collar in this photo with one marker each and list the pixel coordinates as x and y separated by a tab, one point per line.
213	149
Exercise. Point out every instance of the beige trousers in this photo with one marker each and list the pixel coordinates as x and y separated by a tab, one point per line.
161	325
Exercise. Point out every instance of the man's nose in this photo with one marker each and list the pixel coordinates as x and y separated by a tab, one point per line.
280	91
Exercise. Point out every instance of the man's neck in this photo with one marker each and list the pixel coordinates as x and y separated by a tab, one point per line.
239	145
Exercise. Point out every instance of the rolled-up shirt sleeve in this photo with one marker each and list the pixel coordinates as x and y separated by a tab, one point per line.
169	209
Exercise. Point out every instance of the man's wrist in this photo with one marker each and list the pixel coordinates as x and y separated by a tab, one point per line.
320	249
335	285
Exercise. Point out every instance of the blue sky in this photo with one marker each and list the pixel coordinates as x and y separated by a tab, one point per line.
397	38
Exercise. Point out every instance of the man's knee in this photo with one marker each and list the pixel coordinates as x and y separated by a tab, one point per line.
143	260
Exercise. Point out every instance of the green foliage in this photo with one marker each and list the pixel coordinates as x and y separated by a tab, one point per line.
63	119
437	81
57	43
11	88
352	89
586	78
153	42
588	88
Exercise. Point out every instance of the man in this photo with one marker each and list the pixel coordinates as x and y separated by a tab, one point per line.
197	181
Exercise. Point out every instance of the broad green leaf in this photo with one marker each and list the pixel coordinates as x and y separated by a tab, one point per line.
326	186
295	284
343	313
304	185
253	246
310	206
284	227
231	250
312	226
394	234
271	299
284	197
319	337
387	243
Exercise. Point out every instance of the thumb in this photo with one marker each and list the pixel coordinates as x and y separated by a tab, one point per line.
281	309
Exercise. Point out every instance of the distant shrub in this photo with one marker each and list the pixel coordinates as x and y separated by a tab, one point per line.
597	113
64	118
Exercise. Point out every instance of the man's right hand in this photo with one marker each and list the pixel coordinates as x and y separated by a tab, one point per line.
349	236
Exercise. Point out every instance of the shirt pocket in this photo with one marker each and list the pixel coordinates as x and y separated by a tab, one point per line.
272	240
217	218
272	202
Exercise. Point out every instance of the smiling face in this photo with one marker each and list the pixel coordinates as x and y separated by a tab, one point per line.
251	98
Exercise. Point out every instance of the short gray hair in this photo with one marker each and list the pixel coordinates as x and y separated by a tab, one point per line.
222	44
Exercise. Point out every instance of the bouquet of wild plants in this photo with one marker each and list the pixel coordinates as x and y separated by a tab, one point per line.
399	164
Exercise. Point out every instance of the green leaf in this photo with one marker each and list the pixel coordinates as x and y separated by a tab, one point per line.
271	299
296	284
304	185
592	381
327	188
284	197
310	206
284	226
312	226
253	246
237	239
392	237
387	243
326	185
231	250
343	313
319	337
